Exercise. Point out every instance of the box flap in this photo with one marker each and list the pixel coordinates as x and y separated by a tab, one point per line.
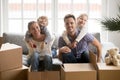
7	46
69	67
1	41
103	66
93	59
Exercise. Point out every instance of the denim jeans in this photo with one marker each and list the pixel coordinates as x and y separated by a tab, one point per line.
70	58
54	53
37	64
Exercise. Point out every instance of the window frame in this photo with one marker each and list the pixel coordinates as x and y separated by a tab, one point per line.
54	18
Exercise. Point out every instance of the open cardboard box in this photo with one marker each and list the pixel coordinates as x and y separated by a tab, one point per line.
44	75
10	57
108	72
14	74
80	71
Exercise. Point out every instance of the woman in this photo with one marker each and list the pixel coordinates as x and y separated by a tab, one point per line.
40	56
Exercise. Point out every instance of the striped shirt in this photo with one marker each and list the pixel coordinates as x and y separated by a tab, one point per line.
81	46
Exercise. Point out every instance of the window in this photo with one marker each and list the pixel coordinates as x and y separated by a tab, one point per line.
20	12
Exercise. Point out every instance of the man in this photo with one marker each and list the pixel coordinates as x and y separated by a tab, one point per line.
79	54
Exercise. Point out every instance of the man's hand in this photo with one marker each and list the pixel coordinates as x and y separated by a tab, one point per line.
65	49
98	60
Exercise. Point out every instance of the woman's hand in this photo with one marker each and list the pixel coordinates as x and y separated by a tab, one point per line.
31	44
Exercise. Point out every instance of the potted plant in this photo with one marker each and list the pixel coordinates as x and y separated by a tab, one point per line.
111	24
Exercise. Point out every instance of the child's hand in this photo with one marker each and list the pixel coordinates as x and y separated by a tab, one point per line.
73	44
42	45
70	45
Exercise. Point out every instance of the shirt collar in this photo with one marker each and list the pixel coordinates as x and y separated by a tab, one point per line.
76	34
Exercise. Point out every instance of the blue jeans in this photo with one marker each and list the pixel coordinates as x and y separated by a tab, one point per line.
37	65
70	58
54	53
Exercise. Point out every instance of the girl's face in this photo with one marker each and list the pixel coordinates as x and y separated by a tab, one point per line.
81	21
35	29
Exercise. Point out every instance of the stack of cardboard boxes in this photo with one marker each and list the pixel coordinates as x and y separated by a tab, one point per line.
11	67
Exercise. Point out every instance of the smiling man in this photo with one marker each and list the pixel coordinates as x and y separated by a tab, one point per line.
79	54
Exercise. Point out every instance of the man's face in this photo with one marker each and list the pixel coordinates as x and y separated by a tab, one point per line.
70	25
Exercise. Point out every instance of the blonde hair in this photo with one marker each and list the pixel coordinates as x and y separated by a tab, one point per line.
84	14
42	18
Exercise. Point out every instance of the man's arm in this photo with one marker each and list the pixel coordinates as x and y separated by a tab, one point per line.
97	44
63	48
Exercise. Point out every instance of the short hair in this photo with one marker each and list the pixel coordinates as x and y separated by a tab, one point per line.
30	24
69	16
41	18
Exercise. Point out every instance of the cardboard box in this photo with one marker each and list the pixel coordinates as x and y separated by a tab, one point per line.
108	72
44	75
80	71
1	41
14	74
10	57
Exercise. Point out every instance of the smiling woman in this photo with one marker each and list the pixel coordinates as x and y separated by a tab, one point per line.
40	55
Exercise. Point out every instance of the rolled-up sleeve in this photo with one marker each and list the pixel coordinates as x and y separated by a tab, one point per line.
89	37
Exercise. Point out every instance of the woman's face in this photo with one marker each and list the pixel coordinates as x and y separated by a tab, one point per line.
81	21
34	29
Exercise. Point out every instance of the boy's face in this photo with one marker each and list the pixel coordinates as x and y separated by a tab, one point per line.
81	21
43	22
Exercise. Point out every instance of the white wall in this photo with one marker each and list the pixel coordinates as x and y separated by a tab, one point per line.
0	16
112	12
